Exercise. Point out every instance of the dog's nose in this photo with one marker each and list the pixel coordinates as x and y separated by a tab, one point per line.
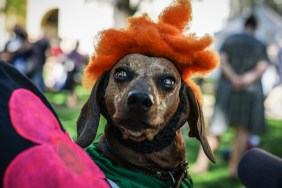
139	101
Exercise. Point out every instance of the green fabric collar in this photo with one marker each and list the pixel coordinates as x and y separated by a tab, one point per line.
128	177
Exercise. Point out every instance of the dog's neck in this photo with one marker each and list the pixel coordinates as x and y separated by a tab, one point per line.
168	164
168	158
161	152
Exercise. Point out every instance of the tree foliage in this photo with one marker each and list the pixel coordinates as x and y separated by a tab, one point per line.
17	7
124	5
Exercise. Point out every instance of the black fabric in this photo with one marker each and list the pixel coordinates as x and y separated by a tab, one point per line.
260	169
10	142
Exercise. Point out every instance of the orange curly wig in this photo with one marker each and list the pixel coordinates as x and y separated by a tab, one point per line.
165	39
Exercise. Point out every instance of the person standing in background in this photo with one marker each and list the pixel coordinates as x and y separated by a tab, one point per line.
239	95
18	50
73	65
40	50
279	67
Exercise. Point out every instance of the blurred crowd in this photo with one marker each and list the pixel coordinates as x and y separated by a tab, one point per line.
44	62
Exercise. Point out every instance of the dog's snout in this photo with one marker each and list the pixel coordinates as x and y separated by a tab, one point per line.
139	101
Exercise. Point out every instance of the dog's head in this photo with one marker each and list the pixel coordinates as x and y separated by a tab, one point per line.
140	95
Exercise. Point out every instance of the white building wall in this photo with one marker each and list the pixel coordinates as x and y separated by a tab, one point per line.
208	16
36	9
81	19
77	20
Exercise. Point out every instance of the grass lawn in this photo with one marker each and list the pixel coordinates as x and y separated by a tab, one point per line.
217	175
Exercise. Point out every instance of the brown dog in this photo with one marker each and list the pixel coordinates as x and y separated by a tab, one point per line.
145	103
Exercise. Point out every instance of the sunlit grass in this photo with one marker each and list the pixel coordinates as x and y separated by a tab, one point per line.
68	115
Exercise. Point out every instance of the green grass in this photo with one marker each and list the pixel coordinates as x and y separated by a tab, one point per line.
68	115
216	177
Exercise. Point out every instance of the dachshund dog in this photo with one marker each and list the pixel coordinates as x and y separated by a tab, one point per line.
145	102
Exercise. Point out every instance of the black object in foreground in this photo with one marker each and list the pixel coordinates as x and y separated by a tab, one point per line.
258	168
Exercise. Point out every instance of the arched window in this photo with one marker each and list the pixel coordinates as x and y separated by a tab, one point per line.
49	23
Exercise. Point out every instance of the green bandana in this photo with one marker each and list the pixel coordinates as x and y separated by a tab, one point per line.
128	177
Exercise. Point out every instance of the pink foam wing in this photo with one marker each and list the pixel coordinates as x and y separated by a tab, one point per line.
31	118
40	166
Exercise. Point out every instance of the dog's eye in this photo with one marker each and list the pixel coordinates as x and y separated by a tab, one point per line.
168	83
120	74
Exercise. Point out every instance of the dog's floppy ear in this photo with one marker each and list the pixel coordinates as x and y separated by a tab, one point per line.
88	121
196	122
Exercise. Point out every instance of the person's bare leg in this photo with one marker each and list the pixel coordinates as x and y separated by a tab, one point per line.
202	163
238	147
